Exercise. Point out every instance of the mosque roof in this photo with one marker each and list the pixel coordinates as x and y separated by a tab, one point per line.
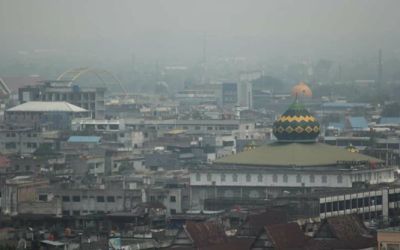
297	131
297	154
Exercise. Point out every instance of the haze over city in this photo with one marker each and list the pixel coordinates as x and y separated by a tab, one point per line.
200	125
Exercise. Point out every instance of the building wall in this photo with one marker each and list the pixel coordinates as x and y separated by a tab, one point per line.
81	202
230	183
389	240
19	141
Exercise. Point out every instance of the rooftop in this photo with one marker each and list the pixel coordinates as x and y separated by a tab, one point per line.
297	154
84	139
47	107
390	230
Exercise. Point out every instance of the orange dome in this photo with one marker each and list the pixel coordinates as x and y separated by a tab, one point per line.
301	89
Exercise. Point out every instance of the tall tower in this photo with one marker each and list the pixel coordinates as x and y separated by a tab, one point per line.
380	68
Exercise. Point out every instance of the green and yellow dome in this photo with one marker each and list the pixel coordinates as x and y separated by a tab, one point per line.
296	125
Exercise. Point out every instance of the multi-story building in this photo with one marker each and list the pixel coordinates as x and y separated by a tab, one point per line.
192	126
229	94
91	99
21	189
84	201
26	141
43	116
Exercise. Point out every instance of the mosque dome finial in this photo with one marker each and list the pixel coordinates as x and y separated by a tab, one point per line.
297	124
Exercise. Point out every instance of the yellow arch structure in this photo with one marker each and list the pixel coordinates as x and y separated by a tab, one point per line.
72	75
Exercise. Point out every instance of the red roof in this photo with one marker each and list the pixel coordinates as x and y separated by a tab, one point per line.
286	236
345	232
346	227
256	222
205	234
232	244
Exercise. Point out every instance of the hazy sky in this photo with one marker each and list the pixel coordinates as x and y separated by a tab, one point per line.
175	28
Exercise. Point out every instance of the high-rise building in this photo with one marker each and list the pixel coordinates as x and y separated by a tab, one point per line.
229	94
245	95
91	99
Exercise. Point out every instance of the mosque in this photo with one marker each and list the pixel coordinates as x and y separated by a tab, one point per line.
295	163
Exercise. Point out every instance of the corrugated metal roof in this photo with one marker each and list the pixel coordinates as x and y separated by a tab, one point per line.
390	120
358	122
84	139
47	107
286	236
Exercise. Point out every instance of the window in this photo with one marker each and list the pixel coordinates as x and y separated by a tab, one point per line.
223	177
322	208
100	198
65	198
354	203
172	198
65	212
208	177
11	145
228	143
339	179
366	201
341	205
43	197
173	211
76	213
114	126
76	198
348	204
234	177
328	207
324	179
312	178
248	178
198	177
275	178
360	202
335	206
260	178
285	178
298	178
110	199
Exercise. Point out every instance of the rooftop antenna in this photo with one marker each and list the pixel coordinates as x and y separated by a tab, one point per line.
380	68
204	59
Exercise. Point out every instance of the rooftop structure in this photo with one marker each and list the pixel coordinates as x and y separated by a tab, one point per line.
36	106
